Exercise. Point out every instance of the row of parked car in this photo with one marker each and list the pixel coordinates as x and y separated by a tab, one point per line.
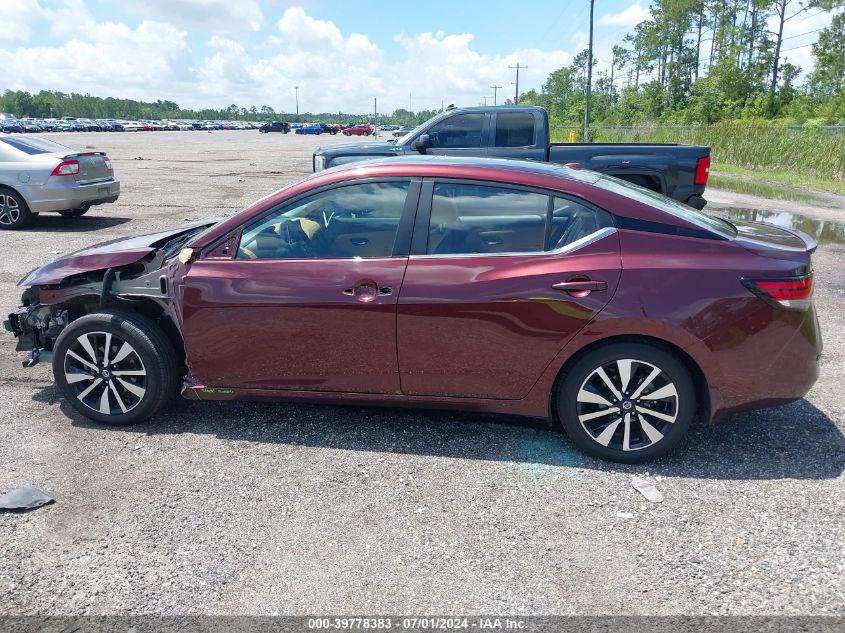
358	129
11	124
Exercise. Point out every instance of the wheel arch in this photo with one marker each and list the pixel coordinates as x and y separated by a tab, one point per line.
17	192
701	384
146	307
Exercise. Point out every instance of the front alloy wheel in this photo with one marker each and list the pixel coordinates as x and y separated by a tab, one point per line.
627	402
115	366
106	373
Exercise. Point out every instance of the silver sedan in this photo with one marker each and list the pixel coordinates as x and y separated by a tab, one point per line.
38	175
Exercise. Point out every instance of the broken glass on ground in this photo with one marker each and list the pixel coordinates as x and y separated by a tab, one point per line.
647	489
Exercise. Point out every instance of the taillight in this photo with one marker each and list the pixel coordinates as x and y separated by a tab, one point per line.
66	168
787	292
702	170
107	161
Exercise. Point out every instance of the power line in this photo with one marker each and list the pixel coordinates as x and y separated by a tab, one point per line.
792	37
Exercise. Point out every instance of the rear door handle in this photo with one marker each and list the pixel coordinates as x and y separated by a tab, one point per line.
586	284
580	288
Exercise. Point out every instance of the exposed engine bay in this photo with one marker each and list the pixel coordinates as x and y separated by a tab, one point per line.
145	285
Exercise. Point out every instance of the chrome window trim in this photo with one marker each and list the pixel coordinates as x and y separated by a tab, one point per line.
574	246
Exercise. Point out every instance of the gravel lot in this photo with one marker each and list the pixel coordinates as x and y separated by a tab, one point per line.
245	508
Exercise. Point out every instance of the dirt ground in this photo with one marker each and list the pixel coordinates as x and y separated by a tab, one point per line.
246	508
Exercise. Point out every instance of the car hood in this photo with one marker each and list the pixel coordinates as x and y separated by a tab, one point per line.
112	254
378	147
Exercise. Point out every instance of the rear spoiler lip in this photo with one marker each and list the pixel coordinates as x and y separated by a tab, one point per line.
811	243
77	154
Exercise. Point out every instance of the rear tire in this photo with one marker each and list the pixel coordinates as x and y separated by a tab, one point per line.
14	212
115	367
653	415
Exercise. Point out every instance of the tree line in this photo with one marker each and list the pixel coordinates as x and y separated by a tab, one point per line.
703	61
52	104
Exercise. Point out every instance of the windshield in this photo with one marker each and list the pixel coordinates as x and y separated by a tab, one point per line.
420	128
34	145
673	207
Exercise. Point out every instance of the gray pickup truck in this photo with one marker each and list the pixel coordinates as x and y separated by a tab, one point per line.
522	132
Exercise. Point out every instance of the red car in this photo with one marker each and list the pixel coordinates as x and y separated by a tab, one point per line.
486	285
359	129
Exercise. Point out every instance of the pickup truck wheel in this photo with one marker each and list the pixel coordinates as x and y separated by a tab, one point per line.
14	212
115	367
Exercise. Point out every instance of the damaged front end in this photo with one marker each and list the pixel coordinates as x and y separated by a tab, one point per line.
36	327
133	274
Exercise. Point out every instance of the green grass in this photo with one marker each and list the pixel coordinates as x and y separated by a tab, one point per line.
783	177
761	188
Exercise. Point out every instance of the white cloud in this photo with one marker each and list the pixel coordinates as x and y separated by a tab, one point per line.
105	58
18	17
217	16
628	17
336	71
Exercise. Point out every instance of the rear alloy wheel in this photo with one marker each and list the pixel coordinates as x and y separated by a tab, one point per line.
115	367
627	403
14	213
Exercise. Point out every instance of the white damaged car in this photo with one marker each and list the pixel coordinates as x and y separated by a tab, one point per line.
38	175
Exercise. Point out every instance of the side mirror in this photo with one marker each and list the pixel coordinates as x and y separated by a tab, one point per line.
422	143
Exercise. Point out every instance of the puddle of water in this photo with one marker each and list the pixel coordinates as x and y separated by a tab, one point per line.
825	231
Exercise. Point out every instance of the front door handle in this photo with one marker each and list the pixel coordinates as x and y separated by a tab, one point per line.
366	290
580	287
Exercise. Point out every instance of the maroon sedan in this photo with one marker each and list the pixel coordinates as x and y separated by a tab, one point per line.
476	284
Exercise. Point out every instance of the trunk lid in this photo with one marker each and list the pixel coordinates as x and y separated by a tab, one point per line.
93	167
774	241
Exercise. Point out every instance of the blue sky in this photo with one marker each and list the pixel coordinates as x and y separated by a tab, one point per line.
341	54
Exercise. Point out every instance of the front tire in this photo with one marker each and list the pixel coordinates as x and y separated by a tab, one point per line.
628	402
14	212
115	367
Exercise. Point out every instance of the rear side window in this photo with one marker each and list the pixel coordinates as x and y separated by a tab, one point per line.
480	219
572	220
460	130
471	219
34	145
514	129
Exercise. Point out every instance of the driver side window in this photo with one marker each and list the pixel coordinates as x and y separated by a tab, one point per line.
360	220
458	131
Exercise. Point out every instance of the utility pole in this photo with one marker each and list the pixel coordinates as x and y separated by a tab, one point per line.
375	117
495	92
485	100
410	103
296	88
589	79
516	97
